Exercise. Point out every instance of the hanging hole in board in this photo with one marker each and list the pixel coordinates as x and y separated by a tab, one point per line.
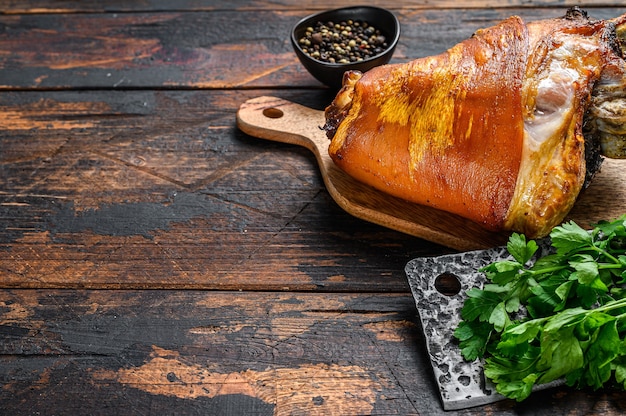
273	112
448	284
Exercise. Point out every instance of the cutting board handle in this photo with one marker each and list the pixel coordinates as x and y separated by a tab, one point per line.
283	121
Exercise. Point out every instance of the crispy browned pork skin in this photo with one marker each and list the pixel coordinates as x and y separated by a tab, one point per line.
492	129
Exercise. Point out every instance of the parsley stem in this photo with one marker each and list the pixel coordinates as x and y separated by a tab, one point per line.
606	254
547	270
609	306
609	266
621	316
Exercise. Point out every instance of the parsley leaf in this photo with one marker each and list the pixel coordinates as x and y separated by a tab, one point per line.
559	316
474	338
586	269
479	305
514	378
521	250
569	237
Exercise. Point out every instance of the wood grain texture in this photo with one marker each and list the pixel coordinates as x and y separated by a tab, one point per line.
195	352
224	48
155	259
160	189
112	6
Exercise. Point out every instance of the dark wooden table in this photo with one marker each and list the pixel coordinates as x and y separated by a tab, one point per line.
154	259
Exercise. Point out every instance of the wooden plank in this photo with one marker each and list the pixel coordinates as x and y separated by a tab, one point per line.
104	352
160	189
220	49
119	6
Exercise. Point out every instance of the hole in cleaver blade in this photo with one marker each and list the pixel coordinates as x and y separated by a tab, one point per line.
438	285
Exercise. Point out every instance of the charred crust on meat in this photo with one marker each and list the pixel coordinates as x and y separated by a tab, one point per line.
612	40
593	151
334	117
339	108
576	13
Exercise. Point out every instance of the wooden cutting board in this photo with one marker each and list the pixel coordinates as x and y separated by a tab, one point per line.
273	118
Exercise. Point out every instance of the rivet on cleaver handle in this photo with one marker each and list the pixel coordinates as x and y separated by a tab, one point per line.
438	285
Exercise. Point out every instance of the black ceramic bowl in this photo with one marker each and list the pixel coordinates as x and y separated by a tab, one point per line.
331	74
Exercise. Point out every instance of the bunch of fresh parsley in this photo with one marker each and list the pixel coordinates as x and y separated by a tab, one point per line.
557	316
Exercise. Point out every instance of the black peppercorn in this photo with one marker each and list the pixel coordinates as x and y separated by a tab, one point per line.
344	42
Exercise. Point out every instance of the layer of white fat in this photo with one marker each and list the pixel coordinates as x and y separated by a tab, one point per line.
555	86
557	89
555	95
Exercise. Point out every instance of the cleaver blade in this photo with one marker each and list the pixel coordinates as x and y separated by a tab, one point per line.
438	285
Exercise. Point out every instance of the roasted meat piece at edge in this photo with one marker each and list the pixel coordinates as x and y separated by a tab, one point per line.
492	129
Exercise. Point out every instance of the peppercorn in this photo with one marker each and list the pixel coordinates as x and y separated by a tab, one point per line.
344	42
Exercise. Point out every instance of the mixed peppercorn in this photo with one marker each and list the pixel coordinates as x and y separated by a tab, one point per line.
344	42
